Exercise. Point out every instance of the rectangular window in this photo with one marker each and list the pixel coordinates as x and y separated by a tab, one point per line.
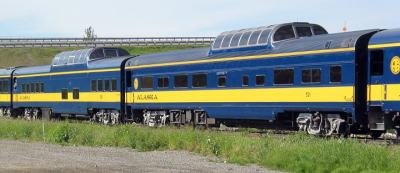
37	87
23	89
32	87
100	85
128	78
181	81
64	93
27	88
2	86
221	80
335	74
311	75
163	82
75	93
377	62
113	85
107	86
245	80
42	87
283	76
147	82
260	80
199	80
94	85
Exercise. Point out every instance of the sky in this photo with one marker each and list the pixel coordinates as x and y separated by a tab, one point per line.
144	18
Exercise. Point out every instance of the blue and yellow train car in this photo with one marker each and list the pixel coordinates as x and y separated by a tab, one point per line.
78	83
281	73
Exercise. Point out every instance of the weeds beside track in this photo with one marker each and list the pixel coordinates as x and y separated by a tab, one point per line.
292	152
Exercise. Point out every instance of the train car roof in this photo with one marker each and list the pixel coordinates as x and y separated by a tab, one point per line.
318	42
172	56
32	70
107	63
386	37
5	72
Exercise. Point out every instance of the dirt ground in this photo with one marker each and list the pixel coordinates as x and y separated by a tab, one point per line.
18	156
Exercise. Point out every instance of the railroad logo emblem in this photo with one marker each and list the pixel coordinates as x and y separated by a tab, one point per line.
136	83
395	65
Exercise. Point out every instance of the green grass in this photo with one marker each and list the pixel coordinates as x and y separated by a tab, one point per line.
293	153
11	57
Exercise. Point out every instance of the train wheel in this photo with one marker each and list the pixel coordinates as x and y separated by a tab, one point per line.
375	134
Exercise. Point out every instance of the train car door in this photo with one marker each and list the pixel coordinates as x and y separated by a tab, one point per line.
377	86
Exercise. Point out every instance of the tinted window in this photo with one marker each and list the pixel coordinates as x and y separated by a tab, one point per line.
218	41
245	38
254	37
97	54
318	30
181	81
335	74
28	89
99	85
227	40
245	80
113	85
221	80
32	87
5	86
304	31
311	76
377	62
41	87
260	80
75	93
235	40
37	87
64	93
199	80
110	52
264	36
23	89
147	82
107	85
163	82
94	85
283	76
128	78
283	33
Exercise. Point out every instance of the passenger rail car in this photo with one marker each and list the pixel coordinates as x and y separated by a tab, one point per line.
292	74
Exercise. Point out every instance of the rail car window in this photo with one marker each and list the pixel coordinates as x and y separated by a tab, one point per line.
113	85
163	82
75	93
181	81
100	85
107	86
147	82
303	31
283	33
235	40
245	80
245	38
97	54
94	85
32	87
264	36
377	62
311	75
110	52
218	41
199	80
318	30
335	74
260	80
129	78
283	76
4	86
227	40
221	80
27	88
23	88
64	93
41	87
254	37
37	87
